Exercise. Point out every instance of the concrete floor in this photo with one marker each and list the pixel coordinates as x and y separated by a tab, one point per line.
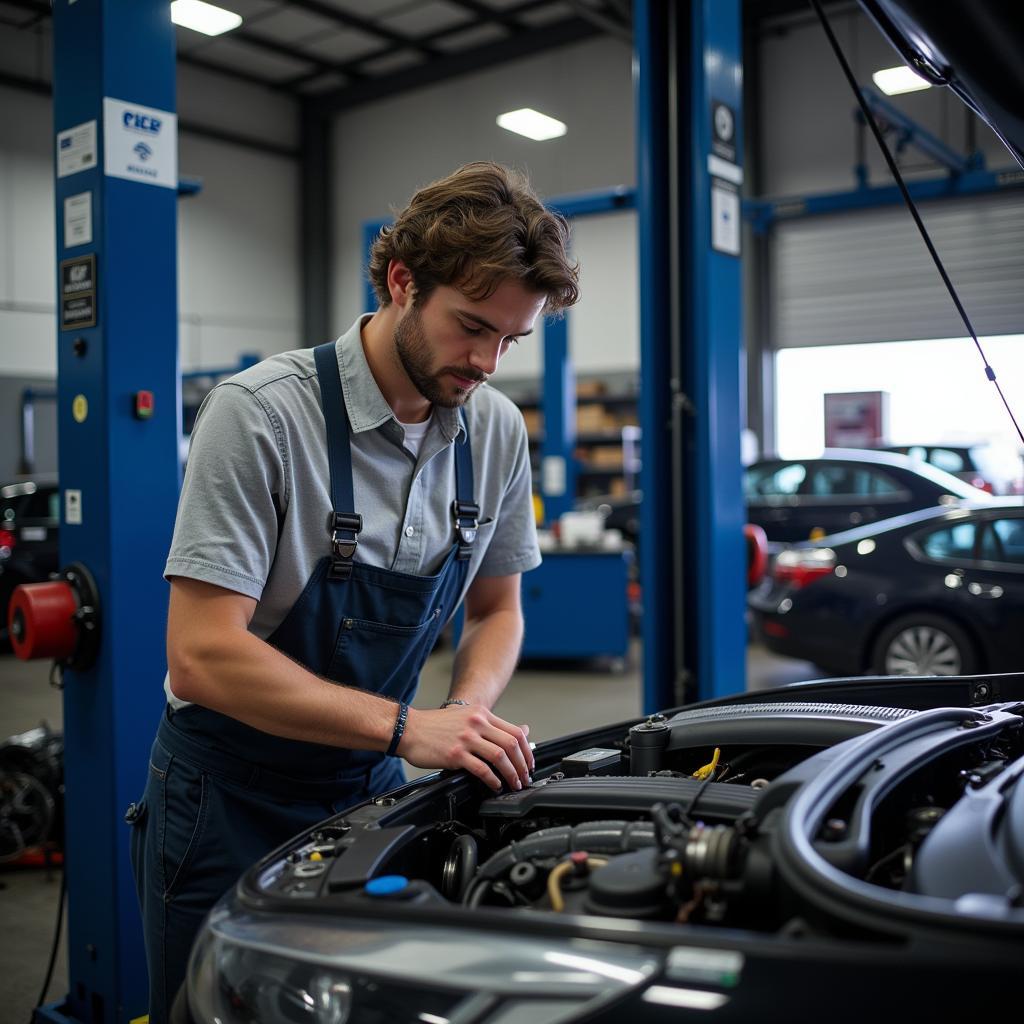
553	700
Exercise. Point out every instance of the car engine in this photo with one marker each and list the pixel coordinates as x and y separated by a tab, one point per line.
763	816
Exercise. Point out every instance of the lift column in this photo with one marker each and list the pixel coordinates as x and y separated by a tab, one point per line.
119	424
689	170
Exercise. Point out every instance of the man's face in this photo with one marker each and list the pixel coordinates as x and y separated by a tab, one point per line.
450	344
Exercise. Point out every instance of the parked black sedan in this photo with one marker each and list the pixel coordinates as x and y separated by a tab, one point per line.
794	499
937	592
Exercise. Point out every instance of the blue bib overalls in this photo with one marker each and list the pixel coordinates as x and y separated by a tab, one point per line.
221	794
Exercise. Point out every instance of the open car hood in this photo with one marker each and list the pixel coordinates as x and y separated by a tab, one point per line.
972	46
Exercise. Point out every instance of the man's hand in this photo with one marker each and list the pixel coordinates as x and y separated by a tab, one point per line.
472	738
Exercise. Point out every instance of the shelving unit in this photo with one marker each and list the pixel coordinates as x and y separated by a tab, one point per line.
606	443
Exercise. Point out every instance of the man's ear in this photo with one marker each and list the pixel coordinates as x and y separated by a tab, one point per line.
400	284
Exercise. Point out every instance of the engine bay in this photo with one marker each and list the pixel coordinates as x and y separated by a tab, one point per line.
781	818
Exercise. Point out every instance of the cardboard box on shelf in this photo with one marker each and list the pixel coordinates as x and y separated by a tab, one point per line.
590	419
607	457
590	388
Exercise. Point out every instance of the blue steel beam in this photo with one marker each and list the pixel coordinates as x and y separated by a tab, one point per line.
929	144
124	470
692	548
655	413
605	200
762	213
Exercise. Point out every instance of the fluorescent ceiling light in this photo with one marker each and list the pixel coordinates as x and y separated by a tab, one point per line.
202	17
893	81
532	123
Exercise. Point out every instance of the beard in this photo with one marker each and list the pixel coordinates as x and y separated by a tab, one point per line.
414	353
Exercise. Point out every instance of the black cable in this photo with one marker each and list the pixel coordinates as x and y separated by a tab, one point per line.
873	125
56	941
692	805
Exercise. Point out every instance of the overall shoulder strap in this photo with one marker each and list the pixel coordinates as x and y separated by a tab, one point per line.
465	511
343	524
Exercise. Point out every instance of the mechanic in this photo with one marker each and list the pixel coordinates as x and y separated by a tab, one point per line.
338	504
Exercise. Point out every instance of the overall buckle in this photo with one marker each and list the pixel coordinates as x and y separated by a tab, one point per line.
343	528
467	520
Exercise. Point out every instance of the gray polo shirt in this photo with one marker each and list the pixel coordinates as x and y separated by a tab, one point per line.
252	516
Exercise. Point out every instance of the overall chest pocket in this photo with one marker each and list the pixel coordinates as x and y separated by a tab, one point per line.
382	657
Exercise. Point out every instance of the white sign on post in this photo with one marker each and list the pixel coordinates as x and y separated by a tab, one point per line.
78	219
76	149
73	508
140	143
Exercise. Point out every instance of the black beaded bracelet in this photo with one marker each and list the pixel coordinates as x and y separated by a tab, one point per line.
396	736
455	700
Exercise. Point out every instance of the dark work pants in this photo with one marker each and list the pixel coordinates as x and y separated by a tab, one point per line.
194	832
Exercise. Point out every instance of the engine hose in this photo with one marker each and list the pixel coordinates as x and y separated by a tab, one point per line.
608	837
559	871
460	867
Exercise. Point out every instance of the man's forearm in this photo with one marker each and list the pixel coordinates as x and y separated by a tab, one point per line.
487	656
248	679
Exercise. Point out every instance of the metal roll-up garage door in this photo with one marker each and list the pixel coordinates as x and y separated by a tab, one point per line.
866	276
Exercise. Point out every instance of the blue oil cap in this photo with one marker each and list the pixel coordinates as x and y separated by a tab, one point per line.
386	885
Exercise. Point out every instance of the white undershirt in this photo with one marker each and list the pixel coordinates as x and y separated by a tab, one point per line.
414	435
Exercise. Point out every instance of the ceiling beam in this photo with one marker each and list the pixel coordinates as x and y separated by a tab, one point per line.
505	18
246	76
523	44
335	14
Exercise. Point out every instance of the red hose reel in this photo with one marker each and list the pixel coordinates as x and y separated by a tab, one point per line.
58	619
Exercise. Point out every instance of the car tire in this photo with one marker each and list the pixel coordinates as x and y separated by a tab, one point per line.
924	644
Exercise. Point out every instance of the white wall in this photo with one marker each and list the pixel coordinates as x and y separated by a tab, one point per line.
27	247
384	151
238	240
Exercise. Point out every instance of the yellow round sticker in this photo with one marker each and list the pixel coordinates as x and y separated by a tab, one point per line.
80	408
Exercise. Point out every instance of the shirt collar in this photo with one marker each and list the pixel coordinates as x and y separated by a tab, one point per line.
367	407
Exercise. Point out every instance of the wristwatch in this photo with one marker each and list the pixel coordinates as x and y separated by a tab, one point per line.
455	700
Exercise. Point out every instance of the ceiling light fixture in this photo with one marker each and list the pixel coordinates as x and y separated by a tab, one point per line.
893	81
532	123
202	17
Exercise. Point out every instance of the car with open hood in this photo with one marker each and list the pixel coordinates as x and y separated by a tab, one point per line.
847	845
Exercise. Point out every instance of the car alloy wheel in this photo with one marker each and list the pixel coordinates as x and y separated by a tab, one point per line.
924	645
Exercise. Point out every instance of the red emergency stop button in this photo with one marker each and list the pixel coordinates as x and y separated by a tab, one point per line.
143	405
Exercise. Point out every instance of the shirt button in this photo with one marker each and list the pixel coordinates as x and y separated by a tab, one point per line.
409	531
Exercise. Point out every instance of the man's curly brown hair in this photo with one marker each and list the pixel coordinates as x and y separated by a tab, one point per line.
473	230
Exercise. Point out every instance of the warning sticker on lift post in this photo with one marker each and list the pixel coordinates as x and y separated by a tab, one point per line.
73	508
76	149
78	293
726	179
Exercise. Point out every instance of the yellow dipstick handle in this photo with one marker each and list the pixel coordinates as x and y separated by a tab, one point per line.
709	769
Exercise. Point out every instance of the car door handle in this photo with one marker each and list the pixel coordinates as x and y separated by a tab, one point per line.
981	590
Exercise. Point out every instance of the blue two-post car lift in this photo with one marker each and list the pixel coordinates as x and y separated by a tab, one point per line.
117	338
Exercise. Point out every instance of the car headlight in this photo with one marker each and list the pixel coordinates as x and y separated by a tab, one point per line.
234	984
318	969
